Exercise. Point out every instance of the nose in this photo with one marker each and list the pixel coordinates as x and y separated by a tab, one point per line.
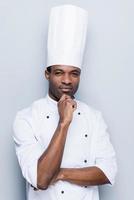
66	79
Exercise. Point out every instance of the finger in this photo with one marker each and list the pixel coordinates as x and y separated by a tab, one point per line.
63	97
74	105
72	102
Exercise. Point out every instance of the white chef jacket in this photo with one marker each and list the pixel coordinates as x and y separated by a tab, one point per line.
87	144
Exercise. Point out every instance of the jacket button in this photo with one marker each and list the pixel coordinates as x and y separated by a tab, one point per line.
47	117
62	192
85	161
78	113
86	135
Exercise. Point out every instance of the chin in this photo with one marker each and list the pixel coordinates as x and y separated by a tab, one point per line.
58	96
67	93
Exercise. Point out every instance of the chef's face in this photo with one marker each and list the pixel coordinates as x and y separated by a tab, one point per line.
63	79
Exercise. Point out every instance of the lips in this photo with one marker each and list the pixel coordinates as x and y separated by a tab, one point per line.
66	89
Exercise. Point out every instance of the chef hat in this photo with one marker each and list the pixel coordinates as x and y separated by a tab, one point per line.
66	35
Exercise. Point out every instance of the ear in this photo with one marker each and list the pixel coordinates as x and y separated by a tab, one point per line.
47	74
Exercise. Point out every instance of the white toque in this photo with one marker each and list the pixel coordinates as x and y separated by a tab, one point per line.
66	35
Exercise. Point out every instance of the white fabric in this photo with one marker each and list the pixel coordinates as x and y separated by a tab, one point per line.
33	130
66	35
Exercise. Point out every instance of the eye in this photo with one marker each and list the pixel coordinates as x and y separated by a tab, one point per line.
75	74
58	73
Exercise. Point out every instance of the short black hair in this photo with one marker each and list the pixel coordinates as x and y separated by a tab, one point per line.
49	69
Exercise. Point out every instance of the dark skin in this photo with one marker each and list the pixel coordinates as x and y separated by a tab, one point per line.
63	81
63	84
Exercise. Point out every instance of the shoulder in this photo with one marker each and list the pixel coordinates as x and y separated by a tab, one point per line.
26	118
87	109
29	111
93	115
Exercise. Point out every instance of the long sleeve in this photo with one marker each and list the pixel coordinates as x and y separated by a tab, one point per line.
104	152
28	148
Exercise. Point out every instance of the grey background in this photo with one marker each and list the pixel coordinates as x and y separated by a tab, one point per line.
106	83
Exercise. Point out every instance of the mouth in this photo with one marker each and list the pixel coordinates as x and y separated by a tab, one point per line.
66	89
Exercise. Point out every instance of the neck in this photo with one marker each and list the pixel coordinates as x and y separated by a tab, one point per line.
53	97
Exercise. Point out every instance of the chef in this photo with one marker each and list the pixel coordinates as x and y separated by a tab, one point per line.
62	144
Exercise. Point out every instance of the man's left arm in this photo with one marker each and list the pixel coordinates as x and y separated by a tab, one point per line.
83	176
104	169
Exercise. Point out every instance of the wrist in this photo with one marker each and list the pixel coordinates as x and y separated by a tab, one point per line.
64	124
60	176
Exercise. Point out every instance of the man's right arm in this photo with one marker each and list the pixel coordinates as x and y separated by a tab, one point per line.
50	161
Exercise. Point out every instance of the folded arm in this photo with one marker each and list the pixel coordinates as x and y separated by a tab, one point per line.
83	176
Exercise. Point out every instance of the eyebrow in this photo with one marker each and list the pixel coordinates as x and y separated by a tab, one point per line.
58	70
74	70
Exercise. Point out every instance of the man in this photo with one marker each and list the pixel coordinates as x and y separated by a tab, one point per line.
62	144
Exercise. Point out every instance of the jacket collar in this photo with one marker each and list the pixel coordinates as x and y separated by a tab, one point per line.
51	103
